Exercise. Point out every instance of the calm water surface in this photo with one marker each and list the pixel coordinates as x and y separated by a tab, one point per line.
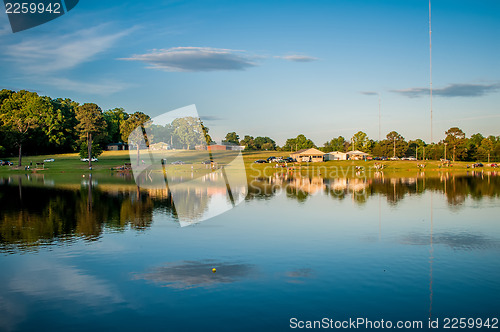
96	253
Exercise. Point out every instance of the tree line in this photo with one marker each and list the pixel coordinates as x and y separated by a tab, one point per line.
32	125
455	146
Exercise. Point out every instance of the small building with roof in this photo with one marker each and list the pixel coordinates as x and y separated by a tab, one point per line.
308	155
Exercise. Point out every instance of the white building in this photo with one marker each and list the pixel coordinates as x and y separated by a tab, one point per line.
336	155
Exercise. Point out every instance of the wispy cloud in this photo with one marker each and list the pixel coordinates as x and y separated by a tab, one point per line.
452	90
102	87
210	118
5	29
298	58
369	93
195	59
46	54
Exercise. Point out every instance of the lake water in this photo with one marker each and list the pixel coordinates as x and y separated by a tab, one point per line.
97	253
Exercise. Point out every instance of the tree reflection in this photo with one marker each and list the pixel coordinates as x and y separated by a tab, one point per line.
456	188
43	214
48	215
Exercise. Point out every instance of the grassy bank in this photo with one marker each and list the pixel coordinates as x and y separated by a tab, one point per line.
70	163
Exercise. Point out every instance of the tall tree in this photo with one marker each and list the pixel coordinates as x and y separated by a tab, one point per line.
20	113
232	138
133	130
455	137
59	125
360	141
90	123
397	144
114	119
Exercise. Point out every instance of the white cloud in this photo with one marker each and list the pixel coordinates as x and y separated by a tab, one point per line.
45	54
195	59
452	90
298	58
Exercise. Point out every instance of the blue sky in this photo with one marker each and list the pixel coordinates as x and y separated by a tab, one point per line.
272	68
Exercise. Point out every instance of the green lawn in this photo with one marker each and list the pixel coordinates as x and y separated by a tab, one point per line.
70	163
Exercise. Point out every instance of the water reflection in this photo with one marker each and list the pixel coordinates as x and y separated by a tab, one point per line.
456	188
457	241
38	210
192	274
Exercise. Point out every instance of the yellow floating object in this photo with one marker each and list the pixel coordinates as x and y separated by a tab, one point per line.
214	270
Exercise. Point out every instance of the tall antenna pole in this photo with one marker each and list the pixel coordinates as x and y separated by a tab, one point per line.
379	117
430	62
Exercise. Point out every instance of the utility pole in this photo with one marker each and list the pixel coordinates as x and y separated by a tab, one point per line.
445	144
430	62
394	147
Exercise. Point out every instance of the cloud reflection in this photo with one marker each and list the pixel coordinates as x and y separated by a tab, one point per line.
59	281
193	274
298	276
456	241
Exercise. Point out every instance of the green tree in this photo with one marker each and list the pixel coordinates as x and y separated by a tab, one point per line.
298	143
20	113
360	141
91	125
248	142
232	138
336	144
473	144
455	138
396	144
189	132
114	119
416	148
133	130
264	143
485	149
59	125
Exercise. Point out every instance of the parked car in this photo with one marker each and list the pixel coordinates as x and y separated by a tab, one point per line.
411	158
477	165
52	160
6	163
271	159
178	162
87	159
290	160
260	161
206	162
394	158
